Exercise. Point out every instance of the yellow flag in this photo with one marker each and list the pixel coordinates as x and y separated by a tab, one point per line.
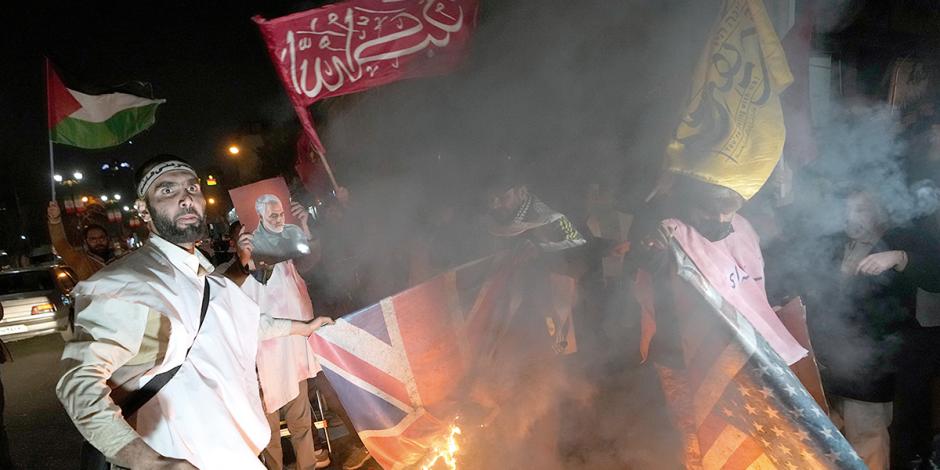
732	132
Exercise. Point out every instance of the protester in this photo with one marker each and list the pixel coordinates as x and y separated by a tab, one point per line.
522	361
139	318
97	250
702	218
285	364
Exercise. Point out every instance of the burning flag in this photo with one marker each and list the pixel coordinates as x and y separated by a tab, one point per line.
736	402
95	121
404	367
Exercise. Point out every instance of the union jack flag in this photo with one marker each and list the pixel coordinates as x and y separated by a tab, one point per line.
398	366
738	403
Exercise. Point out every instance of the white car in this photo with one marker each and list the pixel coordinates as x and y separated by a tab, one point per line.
35	301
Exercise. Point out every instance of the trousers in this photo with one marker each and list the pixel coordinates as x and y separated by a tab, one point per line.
297	414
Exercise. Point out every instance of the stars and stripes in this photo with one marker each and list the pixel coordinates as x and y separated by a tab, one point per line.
748	409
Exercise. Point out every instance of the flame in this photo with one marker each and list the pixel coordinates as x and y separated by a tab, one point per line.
445	451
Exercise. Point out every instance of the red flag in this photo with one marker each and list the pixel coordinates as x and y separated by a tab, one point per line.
60	103
358	44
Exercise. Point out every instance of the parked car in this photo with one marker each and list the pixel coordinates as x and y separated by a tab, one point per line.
35	302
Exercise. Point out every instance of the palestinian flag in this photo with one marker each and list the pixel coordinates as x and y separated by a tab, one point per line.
95	121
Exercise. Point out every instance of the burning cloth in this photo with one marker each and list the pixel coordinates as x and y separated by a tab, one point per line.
405	367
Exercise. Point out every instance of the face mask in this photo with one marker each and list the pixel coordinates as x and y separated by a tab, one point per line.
713	230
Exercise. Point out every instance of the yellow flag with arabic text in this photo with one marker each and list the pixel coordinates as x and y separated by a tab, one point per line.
732	130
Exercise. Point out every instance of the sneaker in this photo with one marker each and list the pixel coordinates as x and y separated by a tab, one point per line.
357	458
323	458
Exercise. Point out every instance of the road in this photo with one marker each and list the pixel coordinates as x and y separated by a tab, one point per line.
41	434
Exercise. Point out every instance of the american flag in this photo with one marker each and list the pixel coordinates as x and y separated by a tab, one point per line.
398	365
742	407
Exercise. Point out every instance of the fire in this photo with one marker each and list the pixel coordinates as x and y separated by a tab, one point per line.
445	451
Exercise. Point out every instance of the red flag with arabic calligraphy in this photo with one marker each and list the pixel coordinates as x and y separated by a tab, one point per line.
351	46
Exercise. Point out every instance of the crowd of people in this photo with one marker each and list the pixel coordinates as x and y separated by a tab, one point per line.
602	274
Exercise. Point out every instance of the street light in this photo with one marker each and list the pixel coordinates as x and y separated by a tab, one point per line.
84	198
57	178
104	197
117	197
233	150
78	175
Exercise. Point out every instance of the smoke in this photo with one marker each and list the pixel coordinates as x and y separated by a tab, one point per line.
558	94
561	94
861	148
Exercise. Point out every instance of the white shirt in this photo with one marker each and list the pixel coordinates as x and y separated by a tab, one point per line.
286	361
135	319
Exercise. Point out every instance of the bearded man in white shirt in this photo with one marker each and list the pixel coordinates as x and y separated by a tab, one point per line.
140	317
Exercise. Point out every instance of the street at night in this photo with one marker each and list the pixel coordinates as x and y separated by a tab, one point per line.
470	235
41	434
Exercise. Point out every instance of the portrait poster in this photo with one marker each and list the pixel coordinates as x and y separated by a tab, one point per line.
263	208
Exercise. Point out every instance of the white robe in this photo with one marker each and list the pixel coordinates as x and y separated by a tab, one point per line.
286	361
210	413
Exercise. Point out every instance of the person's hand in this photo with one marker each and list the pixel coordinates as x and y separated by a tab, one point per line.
299	212
620	249
244	246
54	213
306	328
878	263
342	195
138	454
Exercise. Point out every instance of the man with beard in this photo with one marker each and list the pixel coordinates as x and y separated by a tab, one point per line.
276	240
97	250
521	358
140	330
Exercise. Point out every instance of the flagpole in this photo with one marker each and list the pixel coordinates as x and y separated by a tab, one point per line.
326	166
49	120
51	168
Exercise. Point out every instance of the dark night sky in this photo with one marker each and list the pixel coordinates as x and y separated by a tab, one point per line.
208	61
205	58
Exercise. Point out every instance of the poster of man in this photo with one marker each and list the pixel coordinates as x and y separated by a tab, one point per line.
279	226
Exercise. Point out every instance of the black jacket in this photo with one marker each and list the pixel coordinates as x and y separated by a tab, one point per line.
855	321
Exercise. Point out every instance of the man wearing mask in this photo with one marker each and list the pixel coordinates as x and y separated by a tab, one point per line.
703	219
97	250
140	320
725	248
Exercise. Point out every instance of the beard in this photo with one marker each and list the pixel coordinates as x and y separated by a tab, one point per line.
166	227
103	252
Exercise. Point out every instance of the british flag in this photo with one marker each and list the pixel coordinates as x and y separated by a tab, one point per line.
740	405
397	365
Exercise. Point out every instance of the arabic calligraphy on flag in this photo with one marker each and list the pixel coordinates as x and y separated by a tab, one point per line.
351	46
732	131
